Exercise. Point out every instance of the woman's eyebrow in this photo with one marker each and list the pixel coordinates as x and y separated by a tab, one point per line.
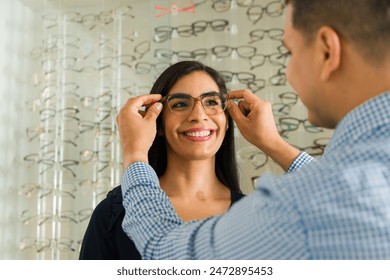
207	92
180	93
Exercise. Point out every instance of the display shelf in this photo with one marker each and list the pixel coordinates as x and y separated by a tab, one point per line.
38	5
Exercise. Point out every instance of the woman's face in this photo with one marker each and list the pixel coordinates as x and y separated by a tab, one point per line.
194	135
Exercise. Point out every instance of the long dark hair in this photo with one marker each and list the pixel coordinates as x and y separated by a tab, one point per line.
225	163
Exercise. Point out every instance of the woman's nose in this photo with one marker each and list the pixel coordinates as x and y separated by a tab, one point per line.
198	112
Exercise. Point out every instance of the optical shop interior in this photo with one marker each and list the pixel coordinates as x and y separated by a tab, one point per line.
68	66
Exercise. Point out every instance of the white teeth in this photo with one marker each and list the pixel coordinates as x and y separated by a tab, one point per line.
198	133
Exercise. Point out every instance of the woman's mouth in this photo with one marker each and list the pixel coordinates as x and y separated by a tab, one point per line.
199	135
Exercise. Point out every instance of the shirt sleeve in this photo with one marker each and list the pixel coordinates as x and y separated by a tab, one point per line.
302	159
152	223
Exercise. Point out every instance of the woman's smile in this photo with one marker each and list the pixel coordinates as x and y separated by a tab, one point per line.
198	134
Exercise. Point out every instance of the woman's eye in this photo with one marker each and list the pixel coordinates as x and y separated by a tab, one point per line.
179	105
211	102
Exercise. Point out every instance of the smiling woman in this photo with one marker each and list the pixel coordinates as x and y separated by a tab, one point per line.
192	153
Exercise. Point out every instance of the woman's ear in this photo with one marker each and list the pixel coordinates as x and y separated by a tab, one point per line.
330	51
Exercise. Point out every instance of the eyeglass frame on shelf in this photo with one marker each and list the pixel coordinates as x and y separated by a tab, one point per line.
259	15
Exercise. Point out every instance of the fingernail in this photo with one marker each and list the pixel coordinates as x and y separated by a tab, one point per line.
159	106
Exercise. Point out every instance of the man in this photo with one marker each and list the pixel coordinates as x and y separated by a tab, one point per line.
333	208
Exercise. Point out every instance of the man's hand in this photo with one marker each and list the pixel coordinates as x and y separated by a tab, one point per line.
256	123
254	118
137	128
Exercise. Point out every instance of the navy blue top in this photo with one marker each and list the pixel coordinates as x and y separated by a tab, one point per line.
104	238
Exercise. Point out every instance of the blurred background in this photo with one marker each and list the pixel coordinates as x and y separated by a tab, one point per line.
67	66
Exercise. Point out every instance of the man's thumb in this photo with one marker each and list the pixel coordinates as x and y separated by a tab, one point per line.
235	112
154	111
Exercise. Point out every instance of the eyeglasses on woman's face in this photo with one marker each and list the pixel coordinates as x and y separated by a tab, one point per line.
181	103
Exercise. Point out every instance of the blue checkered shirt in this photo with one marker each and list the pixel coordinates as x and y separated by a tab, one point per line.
337	207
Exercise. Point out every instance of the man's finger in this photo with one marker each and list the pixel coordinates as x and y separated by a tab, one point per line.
143	100
235	112
153	111
245	94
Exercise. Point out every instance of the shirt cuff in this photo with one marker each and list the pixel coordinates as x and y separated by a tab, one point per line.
302	159
138	173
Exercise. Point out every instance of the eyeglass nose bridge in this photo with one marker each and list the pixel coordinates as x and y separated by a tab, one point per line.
200	100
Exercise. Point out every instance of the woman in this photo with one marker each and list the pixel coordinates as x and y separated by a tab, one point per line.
193	154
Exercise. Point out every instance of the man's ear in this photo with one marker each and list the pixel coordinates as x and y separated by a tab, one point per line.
329	44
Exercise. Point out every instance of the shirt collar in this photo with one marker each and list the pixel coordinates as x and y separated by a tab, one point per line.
364	119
